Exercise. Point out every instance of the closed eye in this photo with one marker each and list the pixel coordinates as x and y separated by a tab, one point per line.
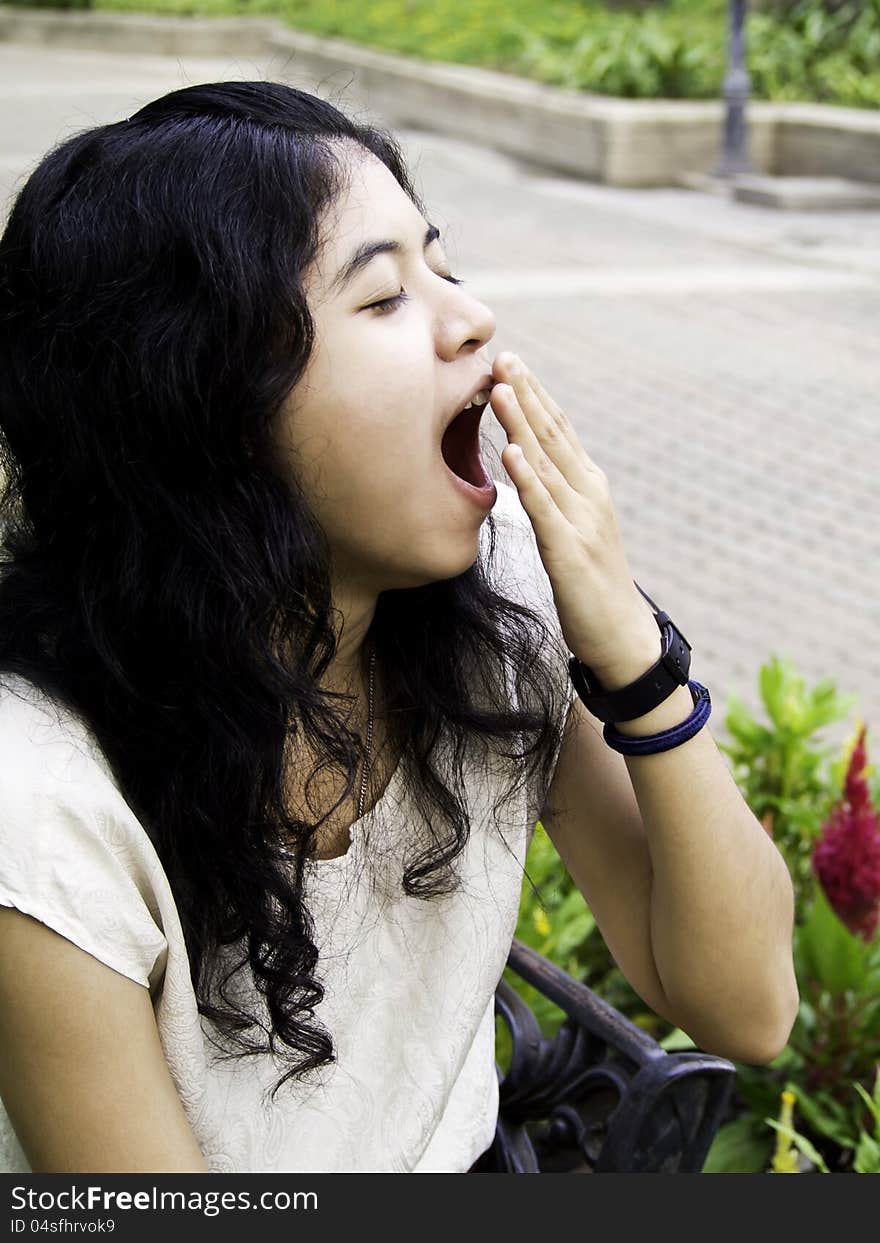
391	304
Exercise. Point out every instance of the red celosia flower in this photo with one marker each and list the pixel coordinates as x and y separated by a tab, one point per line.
846	857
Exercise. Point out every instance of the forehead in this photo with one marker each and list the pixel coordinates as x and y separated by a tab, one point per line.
370	186
371	205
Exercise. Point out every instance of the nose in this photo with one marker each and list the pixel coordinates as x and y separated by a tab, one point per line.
465	323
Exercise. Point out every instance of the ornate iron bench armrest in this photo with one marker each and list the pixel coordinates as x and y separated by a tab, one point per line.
601	1096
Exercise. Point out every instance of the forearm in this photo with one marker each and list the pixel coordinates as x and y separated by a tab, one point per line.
721	900
722	904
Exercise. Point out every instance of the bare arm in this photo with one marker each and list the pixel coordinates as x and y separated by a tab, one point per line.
691	896
697	901
83	1075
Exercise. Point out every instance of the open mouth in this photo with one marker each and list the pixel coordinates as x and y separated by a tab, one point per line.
461	447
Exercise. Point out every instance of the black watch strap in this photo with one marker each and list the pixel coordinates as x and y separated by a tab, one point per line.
651	689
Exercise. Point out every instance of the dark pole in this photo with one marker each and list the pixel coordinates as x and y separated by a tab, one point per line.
734	152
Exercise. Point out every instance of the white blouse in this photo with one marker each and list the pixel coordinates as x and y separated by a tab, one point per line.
409	983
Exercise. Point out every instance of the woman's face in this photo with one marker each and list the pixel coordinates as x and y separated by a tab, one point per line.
364	425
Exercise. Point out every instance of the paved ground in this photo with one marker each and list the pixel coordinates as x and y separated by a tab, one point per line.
720	362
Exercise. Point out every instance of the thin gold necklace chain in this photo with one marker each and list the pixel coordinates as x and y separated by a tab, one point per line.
363	793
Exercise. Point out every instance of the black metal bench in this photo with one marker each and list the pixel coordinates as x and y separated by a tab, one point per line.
602	1096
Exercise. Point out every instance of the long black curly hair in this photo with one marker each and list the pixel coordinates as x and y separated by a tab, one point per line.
164	582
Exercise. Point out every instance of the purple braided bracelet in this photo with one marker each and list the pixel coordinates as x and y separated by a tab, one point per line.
669	738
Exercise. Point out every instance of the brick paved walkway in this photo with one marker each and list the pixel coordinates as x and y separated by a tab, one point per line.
719	361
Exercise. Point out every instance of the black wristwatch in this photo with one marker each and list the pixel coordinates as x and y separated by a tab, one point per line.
651	689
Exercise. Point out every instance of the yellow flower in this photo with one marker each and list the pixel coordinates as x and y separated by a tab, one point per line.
785	1158
542	923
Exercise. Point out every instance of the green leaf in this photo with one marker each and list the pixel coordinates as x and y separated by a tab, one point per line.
873	1105
779	688
743	726
827	706
802	1144
574	932
867	1158
677	1040
825	1115
739	1147
830	953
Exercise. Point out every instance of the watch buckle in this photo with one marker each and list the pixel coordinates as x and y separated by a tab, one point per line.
671	663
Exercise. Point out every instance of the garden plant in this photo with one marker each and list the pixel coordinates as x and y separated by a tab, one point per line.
815	1107
825	51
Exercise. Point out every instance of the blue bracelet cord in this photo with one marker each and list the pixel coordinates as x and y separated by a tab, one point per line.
669	738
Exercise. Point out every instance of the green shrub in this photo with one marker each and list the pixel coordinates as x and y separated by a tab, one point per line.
634	57
828	54
822	50
791	781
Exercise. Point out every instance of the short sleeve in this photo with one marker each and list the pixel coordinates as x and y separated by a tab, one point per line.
70	861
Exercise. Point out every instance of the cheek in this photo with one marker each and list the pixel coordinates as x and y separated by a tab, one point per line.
391	435
350	449
370	461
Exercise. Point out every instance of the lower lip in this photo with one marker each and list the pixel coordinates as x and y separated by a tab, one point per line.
484	497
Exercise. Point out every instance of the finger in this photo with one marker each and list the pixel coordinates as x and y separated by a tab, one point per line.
554	429
548	522
561	423
558	416
567	482
512	418
564	450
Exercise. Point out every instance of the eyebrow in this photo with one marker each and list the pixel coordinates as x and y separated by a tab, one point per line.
368	251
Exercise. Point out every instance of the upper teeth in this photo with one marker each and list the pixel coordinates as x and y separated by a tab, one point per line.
478	399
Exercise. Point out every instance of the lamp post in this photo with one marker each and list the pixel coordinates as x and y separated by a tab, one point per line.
734	151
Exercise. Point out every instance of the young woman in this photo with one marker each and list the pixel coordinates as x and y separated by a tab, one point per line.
285	675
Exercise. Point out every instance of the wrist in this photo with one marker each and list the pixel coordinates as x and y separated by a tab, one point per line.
673	711
631	665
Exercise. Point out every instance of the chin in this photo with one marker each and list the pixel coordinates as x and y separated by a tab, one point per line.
451	566
433	570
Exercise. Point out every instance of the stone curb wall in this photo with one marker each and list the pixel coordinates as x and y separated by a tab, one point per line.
614	141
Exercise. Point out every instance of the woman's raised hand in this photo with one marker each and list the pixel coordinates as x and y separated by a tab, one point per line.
605	620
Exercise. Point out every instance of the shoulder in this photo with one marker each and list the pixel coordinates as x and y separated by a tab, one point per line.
54	770
41	738
72	853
